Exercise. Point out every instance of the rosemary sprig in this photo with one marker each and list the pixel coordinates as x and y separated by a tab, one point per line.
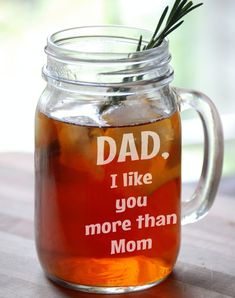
174	20
180	9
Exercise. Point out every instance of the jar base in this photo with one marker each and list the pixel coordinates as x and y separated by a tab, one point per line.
103	290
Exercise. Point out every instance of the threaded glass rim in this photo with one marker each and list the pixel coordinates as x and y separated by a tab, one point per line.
56	46
106	56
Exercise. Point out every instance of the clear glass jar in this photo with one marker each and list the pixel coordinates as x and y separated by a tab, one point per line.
108	161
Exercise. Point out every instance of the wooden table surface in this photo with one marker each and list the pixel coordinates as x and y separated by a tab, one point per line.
205	267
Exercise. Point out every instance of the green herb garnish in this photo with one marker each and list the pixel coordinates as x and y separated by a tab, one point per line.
174	20
180	9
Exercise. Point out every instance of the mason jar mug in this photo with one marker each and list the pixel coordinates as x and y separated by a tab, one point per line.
108	209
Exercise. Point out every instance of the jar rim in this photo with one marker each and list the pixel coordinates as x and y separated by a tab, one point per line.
55	49
73	57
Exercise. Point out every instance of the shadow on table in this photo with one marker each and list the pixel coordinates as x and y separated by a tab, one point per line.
167	289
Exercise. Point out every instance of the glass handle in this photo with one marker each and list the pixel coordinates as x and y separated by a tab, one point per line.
206	189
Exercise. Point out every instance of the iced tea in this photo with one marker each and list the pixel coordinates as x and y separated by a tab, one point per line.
108	201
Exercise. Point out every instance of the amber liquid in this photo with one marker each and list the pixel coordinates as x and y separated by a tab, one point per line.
72	191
